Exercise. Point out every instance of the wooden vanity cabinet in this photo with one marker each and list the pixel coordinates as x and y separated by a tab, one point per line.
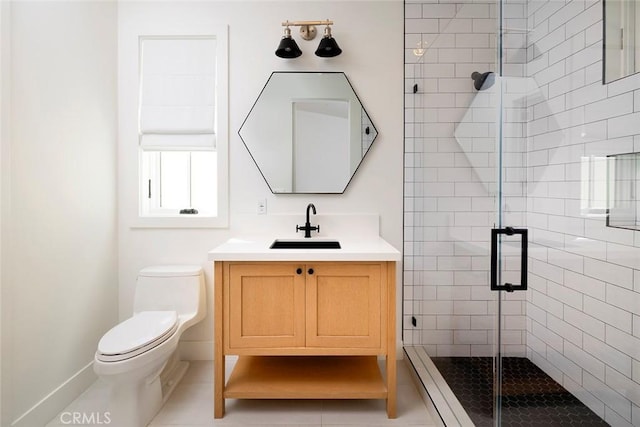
264	306
305	330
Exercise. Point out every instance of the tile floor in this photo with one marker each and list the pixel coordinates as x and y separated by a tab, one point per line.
191	405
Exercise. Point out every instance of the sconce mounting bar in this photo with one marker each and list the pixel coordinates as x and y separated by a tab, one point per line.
303	23
307	28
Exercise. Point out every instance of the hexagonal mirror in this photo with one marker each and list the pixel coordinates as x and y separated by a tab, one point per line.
308	132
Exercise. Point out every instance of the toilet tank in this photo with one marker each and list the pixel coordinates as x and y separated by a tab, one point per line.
177	288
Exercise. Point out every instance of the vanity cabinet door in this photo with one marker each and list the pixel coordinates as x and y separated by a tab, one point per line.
265	305
346	305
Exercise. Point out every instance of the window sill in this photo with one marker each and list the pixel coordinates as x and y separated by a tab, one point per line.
179	222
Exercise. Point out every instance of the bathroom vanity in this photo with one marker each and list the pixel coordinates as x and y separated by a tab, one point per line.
305	323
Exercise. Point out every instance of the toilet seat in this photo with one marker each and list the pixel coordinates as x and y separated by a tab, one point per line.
136	335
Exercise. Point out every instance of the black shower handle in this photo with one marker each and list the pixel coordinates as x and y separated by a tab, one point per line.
524	244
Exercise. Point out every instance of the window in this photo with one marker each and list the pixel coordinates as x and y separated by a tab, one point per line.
181	130
180	181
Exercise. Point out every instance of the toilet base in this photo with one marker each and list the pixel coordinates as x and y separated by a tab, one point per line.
135	404
172	375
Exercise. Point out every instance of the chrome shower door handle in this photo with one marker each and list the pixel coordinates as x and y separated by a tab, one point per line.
509	231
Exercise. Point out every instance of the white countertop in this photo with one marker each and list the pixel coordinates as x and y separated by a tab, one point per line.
352	249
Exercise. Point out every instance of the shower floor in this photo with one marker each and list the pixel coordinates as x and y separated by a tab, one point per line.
530	397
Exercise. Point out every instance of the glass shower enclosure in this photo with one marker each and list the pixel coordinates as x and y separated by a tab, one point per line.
522	249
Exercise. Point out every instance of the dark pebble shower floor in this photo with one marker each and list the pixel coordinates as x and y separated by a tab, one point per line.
529	396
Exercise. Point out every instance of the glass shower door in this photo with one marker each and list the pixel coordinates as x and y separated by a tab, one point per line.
491	135
466	169
465	158
541	263
520	387
509	238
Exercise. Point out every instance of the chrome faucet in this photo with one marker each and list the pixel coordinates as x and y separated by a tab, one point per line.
308	228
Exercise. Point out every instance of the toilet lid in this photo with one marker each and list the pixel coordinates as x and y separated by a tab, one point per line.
145	329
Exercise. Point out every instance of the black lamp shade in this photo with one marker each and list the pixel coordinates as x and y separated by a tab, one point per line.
288	48
328	48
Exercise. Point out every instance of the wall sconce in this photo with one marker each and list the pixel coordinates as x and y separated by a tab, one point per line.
288	48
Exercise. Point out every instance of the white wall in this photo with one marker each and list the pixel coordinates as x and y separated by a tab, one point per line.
4	128
370	35
59	275
58	194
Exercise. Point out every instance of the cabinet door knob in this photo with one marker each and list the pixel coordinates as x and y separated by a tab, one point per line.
299	271
310	271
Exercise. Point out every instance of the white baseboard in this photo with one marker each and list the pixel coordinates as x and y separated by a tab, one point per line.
196	350
45	410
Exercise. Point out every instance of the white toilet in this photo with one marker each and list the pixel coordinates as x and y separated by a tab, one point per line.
138	358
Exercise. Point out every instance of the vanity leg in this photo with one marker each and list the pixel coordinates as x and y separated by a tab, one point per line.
218	387
391	365
391	384
218	352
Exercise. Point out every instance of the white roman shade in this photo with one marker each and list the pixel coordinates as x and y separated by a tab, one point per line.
177	93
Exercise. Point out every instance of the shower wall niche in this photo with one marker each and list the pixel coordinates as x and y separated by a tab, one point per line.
623	185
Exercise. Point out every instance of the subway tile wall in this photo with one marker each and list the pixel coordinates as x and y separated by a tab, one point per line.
580	320
583	308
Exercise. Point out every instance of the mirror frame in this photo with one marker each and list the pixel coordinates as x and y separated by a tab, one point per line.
355	95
